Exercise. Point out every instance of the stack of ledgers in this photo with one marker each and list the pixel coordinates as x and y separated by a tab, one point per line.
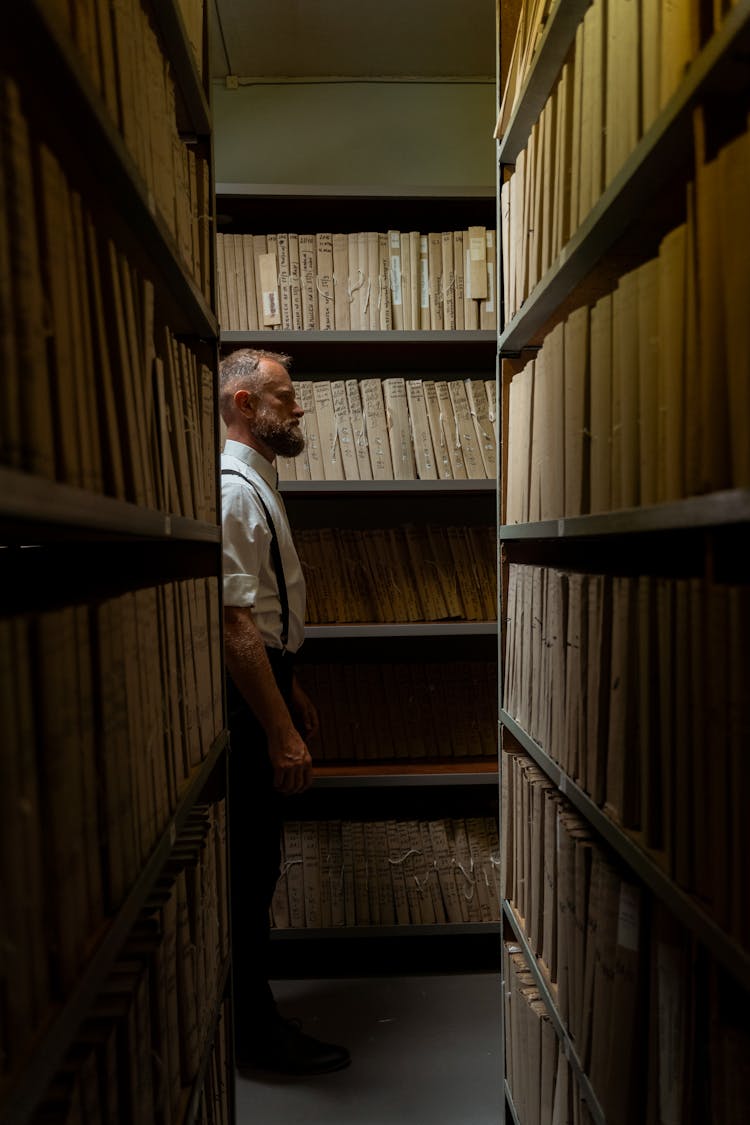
380	712
603	945
644	398
395	429
387	873
369	280
405	573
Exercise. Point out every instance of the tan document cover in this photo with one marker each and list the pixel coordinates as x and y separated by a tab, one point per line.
307	262
324	280
342	320
576	440
420	430
451	432
345	432
376	428
439	442
448	281
309	426
359	429
601	404
397	417
333	468
396	278
269	290
465	431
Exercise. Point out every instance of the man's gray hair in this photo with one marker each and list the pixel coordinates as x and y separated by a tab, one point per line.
240	371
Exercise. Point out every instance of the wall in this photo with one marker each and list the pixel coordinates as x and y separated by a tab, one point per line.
379	133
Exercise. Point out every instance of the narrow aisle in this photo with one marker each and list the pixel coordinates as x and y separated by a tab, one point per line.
425	1051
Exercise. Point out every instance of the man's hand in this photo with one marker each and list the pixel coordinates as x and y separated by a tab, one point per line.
291	761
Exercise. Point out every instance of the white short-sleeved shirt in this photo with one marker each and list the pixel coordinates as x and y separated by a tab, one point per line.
248	573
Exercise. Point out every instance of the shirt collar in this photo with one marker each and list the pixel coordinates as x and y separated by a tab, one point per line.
255	460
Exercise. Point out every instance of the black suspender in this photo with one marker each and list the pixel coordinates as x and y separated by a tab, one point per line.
275	555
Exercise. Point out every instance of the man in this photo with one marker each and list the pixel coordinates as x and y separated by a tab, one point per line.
270	716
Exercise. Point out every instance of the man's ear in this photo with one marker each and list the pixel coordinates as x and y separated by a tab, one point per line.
245	402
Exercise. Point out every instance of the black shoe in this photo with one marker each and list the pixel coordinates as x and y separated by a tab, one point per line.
289	1051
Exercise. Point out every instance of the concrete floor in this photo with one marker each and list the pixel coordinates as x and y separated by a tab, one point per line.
425	1051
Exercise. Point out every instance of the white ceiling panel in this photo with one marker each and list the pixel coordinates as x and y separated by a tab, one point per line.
336	38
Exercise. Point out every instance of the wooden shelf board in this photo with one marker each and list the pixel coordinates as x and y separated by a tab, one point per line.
348	933
416	629
381	774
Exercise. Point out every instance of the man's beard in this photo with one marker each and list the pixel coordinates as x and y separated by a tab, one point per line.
284	438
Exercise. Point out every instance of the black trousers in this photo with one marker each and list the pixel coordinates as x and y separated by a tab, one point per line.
255	820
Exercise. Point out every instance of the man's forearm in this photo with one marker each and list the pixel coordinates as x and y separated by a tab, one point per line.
251	672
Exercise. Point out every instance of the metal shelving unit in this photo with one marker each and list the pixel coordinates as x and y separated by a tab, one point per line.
562	1034
689	912
719	68
626	221
60	1032
102	155
321	354
54	516
719	509
35	500
558	35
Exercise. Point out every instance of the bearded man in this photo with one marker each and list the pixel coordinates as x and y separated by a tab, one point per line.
270	716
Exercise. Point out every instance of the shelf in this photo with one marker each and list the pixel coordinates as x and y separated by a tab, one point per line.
378	776
193	1107
649	166
719	509
362	354
349	933
57	1037
34	501
330	336
396	629
349	208
559	33
100	155
509	1103
350	191
195	115
341	488
685	908
562	1033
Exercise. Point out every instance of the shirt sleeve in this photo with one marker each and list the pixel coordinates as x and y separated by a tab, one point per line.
245	543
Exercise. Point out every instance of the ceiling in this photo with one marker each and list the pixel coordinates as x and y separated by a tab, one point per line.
341	38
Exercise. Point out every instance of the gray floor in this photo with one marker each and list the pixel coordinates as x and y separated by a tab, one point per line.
425	1051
